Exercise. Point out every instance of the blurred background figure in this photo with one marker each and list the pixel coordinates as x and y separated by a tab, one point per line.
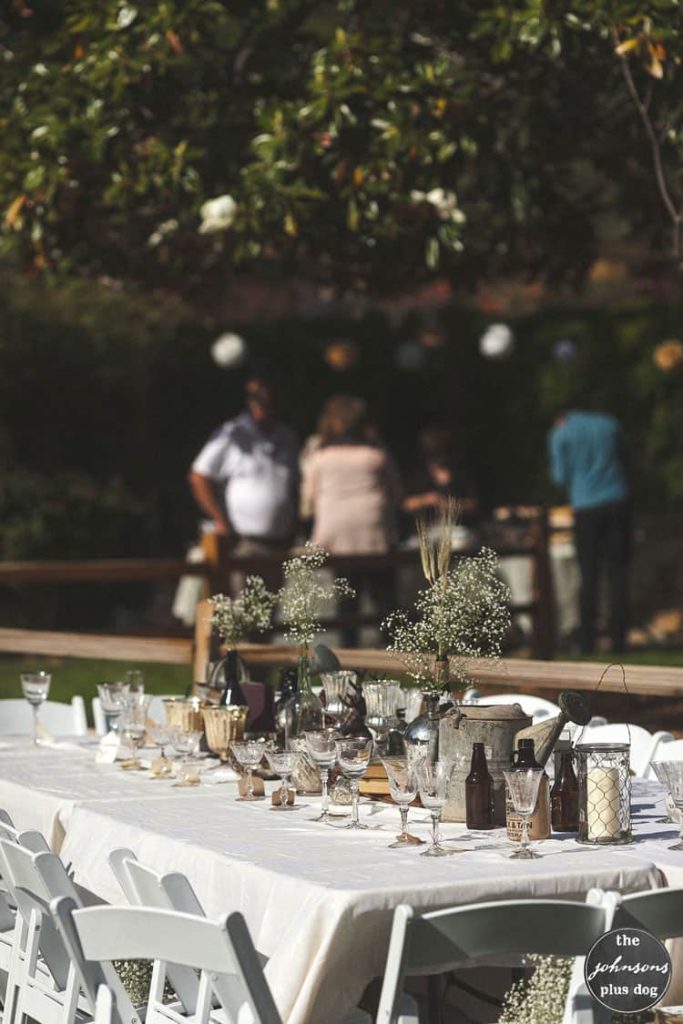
245	478
441	473
586	458
352	489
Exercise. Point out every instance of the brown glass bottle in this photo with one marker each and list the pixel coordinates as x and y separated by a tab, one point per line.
479	791
539	822
564	796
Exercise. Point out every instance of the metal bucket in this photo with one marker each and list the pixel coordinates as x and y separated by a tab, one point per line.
495	726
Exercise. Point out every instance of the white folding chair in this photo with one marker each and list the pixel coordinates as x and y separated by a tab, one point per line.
666	749
61	719
437	942
536	707
104	1005
643	743
43	981
221	951
35	842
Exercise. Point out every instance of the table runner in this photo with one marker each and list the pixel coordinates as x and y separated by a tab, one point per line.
318	902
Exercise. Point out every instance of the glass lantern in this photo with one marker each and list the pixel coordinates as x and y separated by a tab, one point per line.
604	777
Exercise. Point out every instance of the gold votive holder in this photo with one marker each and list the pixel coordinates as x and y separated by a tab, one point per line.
184	713
223	726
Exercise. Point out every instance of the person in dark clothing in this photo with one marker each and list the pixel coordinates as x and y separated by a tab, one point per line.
441	475
586	457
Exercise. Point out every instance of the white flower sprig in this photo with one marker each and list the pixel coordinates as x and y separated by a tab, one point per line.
462	615
303	596
235	618
539	999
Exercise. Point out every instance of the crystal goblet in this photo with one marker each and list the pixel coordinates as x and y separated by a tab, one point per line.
321	749
186	743
403	788
133	727
353	757
434	780
673	773
523	785
283	763
35	687
113	699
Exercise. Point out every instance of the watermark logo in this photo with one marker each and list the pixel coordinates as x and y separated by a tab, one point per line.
628	970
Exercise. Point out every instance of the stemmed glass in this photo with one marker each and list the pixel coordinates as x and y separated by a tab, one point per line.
673	773
35	687
113	699
160	735
321	748
523	786
434	782
403	789
133	724
186	742
284	764
248	754
135	680
353	757
659	768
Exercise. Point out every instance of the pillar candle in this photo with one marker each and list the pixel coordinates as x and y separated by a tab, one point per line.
603	803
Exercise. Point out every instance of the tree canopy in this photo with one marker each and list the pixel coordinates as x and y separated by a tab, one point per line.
369	144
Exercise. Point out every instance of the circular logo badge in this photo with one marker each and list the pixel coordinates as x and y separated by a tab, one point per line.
628	970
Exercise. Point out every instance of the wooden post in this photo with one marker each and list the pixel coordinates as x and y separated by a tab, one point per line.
202	641
543	621
215	548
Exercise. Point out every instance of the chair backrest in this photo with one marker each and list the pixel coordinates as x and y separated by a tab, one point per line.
104	1005
433	943
670	751
217	949
537	707
62	719
620	732
30	839
659	912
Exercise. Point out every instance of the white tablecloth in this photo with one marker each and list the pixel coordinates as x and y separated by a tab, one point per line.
318	902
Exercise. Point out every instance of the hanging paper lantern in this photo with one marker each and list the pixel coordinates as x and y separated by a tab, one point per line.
410	356
668	355
496	342
342	355
564	350
229	350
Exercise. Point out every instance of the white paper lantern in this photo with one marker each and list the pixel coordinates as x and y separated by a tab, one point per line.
496	342
229	350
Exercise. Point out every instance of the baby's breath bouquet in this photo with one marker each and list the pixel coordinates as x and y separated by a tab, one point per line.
236	618
304	595
460	616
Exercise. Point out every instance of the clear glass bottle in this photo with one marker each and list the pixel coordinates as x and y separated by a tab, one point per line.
303	711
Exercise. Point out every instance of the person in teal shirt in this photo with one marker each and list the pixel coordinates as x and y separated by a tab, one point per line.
586	459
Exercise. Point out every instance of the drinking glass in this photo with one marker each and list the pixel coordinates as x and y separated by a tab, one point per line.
35	687
523	787
283	763
434	782
248	754
353	757
160	735
659	768
133	726
186	742
112	698
135	678
673	773
321	748
403	789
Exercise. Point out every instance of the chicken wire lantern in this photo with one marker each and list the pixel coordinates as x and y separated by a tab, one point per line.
604	777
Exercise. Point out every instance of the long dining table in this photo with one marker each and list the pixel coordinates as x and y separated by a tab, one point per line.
318	900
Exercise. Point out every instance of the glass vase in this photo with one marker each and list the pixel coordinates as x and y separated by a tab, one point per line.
304	711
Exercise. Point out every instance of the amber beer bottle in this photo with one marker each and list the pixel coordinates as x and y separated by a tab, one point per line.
539	823
479	791
564	796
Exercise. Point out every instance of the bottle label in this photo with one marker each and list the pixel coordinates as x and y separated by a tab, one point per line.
539	823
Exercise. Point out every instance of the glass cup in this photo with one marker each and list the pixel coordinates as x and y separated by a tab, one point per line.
113	700
672	771
186	743
248	754
161	765
523	787
434	782
403	788
321	748
283	763
135	678
353	757
35	687
133	727
658	767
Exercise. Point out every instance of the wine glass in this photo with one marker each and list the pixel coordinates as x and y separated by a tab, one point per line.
112	698
353	757
321	748
161	737
248	754
403	788
659	768
186	742
673	773
283	763
133	726
35	687
523	787
434	782
135	679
